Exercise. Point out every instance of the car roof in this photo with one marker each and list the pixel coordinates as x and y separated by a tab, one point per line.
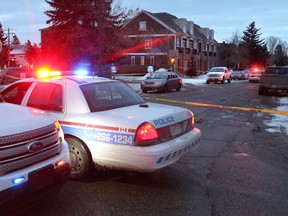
76	79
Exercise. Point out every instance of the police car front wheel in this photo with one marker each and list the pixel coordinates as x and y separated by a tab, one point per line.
80	158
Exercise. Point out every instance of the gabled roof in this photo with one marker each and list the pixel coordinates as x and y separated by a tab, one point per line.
152	16
168	21
197	33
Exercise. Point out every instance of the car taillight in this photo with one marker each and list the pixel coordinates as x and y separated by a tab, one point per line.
192	122
146	134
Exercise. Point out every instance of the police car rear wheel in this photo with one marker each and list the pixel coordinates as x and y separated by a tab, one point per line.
80	158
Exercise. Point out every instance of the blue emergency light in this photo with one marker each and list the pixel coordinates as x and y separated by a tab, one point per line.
18	180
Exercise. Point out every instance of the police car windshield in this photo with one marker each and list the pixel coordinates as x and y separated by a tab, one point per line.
109	95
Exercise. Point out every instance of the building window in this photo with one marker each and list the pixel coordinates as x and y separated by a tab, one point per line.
191	44
142	60
148	44
132	60
184	43
212	48
152	60
142	26
178	42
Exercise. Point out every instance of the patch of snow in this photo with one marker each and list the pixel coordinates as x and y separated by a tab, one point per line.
279	123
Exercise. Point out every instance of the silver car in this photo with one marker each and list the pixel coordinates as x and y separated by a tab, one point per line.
162	81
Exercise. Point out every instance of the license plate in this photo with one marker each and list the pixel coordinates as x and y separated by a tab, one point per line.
175	129
42	177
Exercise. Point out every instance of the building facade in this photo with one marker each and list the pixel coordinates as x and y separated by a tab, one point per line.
162	40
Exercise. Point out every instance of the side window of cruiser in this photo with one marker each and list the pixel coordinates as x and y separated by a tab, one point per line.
47	96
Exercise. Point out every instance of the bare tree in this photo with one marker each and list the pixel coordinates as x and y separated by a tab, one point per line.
272	43
284	45
235	38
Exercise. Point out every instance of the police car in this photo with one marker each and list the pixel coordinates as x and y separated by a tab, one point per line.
107	124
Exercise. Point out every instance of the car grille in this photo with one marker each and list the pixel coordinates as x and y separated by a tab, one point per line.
213	75
17	152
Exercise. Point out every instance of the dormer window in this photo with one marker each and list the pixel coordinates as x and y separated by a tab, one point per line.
142	26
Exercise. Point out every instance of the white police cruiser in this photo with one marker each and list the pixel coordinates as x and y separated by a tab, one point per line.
107	123
33	153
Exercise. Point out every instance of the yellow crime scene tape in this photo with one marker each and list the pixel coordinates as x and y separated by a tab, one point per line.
221	106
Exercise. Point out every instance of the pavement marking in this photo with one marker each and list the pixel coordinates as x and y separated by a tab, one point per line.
221	106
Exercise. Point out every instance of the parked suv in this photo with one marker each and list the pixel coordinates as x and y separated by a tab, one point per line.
34	156
274	80
218	74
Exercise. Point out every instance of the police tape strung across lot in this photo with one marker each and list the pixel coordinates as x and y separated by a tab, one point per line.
221	106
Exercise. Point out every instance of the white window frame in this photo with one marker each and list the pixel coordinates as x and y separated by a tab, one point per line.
142	25
142	60
148	44
132	60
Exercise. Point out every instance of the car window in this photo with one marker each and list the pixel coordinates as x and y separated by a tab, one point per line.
16	92
109	95
217	70
47	96
158	75
277	71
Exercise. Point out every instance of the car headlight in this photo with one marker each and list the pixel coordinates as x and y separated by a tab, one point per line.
59	131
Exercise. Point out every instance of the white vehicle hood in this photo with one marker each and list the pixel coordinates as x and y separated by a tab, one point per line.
17	119
131	117
217	73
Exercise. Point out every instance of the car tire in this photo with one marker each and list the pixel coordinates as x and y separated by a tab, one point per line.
223	80
165	89
260	91
179	87
80	157
207	82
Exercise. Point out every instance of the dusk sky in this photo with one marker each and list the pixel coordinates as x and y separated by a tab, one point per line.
26	17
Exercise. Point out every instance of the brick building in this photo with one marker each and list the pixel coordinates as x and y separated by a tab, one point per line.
164	41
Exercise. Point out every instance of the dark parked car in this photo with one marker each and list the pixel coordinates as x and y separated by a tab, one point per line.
11	74
162	81
274	80
237	75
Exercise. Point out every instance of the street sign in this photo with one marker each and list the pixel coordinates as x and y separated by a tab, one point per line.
113	69
150	69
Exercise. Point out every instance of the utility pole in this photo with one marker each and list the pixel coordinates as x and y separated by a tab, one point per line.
8	47
9	43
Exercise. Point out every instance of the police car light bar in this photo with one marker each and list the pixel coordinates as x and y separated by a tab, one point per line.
45	73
